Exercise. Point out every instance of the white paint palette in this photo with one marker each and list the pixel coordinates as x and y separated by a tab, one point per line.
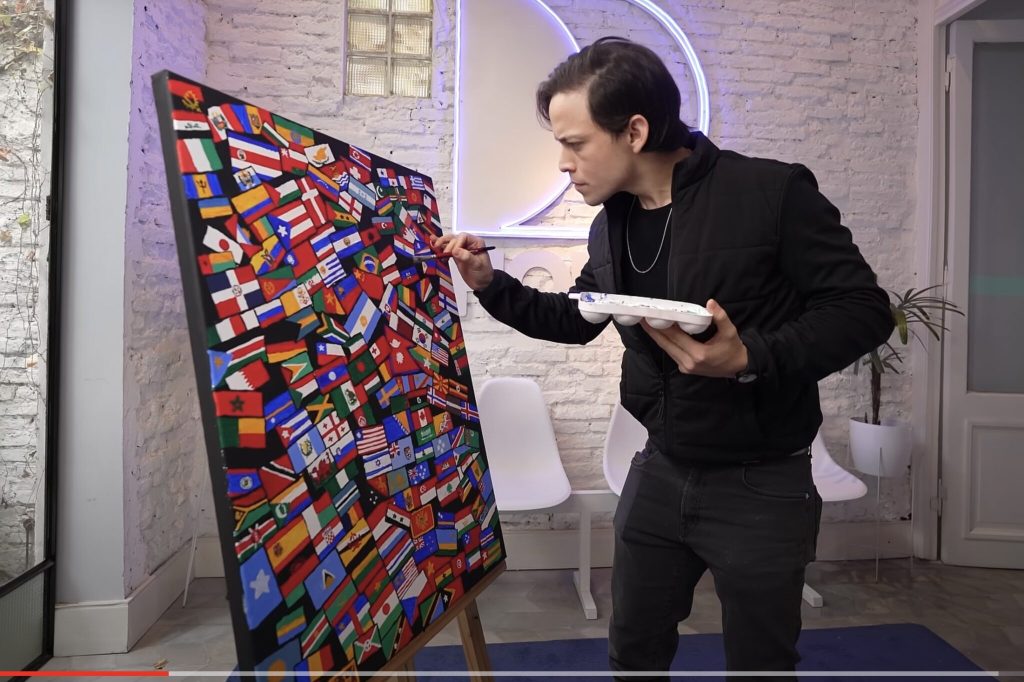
629	310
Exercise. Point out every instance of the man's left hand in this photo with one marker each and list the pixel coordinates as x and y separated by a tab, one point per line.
723	355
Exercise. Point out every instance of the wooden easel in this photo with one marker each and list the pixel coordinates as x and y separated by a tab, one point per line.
470	628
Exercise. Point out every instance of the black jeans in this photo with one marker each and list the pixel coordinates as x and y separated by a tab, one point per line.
754	525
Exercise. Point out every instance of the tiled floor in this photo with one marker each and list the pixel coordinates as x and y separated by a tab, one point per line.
979	611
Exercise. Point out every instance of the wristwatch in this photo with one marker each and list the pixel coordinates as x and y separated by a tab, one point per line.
748	373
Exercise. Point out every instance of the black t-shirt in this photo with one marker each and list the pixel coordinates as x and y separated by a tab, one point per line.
643	239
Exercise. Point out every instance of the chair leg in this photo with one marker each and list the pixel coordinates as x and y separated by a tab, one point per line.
581	577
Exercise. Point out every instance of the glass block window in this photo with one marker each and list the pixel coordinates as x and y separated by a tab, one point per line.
389	48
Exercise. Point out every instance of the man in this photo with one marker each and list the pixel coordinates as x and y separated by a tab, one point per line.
724	483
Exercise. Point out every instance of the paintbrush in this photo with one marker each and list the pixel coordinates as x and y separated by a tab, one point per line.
424	257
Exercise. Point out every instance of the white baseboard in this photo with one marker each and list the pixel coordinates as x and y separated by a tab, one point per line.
538	548
113	627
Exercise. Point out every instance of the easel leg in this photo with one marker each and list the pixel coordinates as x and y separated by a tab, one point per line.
473	643
581	577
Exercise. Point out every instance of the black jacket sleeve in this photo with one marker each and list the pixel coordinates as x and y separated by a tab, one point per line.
539	314
846	314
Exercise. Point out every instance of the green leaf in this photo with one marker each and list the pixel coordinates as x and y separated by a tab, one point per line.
24	220
901	324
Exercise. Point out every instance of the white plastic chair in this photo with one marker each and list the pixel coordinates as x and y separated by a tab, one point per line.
834	484
526	470
626	436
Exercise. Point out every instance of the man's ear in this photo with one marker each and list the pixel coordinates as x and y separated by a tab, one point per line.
637	131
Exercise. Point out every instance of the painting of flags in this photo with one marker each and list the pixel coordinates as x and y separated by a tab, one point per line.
350	477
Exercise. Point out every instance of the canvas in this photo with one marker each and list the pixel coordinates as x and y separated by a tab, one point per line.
350	479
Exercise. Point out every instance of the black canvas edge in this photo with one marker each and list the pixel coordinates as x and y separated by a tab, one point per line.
190	280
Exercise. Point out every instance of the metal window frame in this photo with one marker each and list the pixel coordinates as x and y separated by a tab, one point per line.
389	55
47	567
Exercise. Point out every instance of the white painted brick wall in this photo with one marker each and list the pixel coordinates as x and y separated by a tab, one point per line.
23	248
829	84
164	463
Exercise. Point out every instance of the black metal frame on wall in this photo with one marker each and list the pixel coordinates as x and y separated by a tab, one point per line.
55	213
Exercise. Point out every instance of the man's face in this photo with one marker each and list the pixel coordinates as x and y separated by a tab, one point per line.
599	164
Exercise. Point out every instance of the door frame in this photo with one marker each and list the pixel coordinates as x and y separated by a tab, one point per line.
934	18
959	151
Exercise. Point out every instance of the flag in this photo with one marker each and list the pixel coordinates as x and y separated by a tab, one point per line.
197	155
290	626
305	449
307	321
246	352
276	282
210	263
234	291
215	240
260	593
320	409
363	319
296	366
249	510
238	403
327	185
250	377
329	574
269	313
301	259
332	376
246	432
348	242
339	603
361	193
386	610
252	538
191	94
286	544
246	178
216	207
292	428
202	185
298	225
360	157
268	257
293	161
319	155
334	429
255	203
241	481
284	350
263	157
227	329
293	132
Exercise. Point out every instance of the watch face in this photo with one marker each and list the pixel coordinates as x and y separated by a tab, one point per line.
746	378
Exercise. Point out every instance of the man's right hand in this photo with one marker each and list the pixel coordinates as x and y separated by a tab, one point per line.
475	268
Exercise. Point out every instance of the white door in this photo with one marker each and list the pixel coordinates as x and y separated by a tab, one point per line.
983	391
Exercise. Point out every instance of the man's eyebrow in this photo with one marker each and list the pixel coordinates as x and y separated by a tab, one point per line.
569	139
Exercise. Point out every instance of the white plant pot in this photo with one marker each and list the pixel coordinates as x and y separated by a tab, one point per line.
893	441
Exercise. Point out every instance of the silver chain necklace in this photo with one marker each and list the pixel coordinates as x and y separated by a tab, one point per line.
629	250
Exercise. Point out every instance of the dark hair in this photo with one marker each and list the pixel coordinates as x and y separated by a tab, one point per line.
622	79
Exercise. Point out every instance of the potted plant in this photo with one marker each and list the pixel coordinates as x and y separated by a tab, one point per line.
883	448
